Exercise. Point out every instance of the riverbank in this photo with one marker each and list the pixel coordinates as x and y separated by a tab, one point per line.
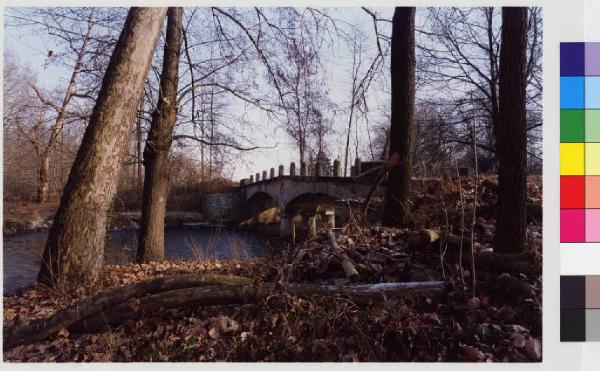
489	308
501	322
22	252
23	217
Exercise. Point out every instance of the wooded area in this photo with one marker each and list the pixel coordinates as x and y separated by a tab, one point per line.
439	110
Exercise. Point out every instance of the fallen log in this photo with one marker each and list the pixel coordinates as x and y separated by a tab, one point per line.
204	295
241	294
41	328
493	262
503	263
345	262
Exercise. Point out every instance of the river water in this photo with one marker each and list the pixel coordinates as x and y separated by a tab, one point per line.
22	252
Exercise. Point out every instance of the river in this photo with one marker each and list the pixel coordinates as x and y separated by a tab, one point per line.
22	251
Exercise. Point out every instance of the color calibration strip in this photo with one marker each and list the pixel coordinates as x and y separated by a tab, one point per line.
580	142
579	190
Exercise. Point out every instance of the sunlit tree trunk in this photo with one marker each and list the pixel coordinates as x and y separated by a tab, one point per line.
158	145
402	126
75	246
511	141
43	178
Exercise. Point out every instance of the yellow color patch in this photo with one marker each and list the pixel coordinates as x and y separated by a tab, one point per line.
592	159
571	159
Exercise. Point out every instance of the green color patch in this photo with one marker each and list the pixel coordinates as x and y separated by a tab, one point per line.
592	125
572	125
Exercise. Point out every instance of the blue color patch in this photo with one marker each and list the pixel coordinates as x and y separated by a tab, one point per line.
592	92
572	92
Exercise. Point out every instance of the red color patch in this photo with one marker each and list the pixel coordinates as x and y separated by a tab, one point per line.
572	192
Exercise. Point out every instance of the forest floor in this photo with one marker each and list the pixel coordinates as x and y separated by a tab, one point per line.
498	319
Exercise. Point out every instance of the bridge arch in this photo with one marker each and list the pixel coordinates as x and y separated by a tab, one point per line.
260	208
303	197
306	209
309	204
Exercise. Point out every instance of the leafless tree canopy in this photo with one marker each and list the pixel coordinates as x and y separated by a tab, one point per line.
319	76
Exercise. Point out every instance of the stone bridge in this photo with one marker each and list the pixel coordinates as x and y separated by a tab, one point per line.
294	198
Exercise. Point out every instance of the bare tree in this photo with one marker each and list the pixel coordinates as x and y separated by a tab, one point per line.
287	42
84	34
511	132
459	52
363	73
23	123
402	129
74	250
300	77
158	146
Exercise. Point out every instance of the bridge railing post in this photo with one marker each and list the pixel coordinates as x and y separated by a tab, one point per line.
336	168
303	168
272	175
251	178
292	168
264	175
318	169
357	166
257	177
280	170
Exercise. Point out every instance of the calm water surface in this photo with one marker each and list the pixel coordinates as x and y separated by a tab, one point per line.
22	252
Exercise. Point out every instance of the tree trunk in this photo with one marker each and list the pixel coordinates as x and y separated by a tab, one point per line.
43	181
138	147
156	153
511	141
402	120
75	246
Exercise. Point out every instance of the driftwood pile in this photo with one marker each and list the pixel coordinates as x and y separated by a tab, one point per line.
392	255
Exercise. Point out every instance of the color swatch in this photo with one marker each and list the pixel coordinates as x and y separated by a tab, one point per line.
580	308
580	191
580	142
